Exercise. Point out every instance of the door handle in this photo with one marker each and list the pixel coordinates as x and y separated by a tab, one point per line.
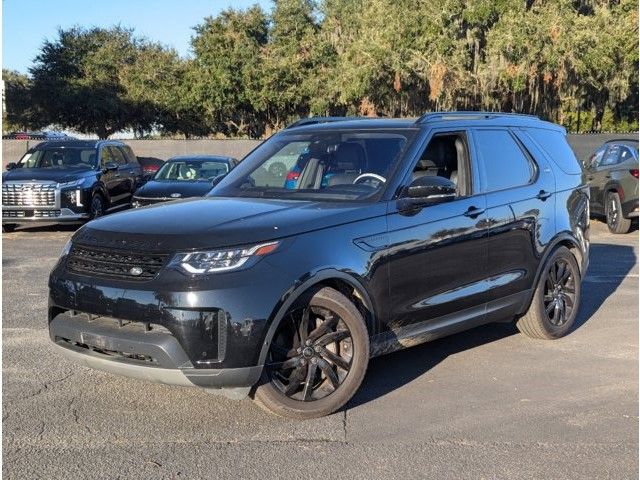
473	212
543	195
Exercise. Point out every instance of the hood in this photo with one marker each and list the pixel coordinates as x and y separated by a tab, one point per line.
215	222
58	174
164	189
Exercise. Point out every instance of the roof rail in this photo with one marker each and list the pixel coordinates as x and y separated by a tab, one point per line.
317	120
468	115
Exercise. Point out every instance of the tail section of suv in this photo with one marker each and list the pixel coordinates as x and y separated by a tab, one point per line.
284	292
612	173
69	181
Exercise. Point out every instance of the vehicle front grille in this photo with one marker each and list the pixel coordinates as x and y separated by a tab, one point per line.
28	194
30	213
114	263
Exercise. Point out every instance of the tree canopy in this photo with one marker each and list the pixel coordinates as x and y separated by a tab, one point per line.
251	72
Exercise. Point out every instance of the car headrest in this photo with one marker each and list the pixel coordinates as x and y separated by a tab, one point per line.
426	164
349	156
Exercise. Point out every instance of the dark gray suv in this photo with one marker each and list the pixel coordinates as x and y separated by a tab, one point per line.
612	173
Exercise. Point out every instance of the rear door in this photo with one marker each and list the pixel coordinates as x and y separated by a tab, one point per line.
520	215
438	254
110	178
593	178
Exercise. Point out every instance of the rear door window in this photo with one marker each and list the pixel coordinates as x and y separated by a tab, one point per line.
504	162
117	156
555	145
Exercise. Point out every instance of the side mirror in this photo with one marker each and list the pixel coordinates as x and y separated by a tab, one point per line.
428	190
218	179
12	165
110	167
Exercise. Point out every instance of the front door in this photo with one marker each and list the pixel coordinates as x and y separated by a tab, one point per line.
438	254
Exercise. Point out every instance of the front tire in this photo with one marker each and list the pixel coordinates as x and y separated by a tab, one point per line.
97	206
9	227
317	359
556	300
615	220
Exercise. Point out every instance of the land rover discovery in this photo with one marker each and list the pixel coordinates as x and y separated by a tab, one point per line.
424	228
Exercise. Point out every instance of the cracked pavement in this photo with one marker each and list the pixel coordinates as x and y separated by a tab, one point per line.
488	403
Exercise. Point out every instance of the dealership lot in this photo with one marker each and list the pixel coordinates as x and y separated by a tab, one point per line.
488	403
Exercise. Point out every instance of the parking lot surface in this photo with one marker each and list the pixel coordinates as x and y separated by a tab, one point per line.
487	403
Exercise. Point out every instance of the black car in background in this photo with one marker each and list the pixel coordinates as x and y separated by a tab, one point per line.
150	166
69	181
612	173
183	177
424	228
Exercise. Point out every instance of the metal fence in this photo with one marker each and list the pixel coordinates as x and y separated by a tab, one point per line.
583	145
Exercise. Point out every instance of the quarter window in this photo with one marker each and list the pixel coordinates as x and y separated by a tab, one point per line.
505	164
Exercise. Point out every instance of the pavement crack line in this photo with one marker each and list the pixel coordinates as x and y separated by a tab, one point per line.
344	425
46	385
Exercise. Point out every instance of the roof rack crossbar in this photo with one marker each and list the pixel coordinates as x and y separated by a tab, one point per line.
470	115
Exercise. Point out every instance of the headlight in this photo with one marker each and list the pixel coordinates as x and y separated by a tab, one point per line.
212	261
75	183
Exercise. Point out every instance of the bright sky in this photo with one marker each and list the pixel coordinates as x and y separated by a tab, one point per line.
27	23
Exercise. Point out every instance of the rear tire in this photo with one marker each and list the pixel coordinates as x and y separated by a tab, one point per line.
9	227
615	220
556	300
317	359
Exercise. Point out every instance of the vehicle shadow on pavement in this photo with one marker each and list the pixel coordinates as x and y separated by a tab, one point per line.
609	264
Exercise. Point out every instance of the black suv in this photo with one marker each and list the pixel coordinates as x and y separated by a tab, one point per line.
422	229
69	181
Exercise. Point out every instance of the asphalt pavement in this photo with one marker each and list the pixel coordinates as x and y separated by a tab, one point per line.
489	403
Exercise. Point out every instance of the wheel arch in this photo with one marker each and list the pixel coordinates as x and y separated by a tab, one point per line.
341	281
100	189
564	239
612	186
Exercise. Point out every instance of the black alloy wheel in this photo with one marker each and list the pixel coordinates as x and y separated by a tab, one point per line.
97	206
556	298
311	354
317	358
560	292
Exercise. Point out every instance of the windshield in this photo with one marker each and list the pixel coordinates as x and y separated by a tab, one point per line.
59	158
192	170
325	165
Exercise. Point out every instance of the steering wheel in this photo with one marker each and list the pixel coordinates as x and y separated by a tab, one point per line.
371	179
278	169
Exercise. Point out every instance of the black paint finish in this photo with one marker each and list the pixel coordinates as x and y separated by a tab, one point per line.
419	273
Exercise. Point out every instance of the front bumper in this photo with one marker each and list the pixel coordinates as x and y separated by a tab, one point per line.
41	215
143	351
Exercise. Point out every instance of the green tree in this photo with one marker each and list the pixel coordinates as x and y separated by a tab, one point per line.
19	112
76	80
226	74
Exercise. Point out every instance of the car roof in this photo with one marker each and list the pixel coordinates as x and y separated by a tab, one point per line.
628	142
451	119
199	157
75	144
